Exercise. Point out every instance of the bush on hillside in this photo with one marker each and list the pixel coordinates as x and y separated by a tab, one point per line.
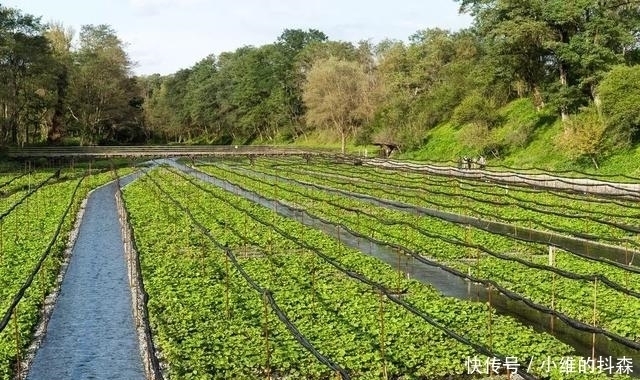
476	109
619	94
585	136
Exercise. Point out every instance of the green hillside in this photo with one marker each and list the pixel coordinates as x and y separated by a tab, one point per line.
538	148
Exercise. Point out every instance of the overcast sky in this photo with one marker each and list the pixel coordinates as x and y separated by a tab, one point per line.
164	36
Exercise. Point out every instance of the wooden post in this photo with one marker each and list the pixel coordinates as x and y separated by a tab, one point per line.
399	271
490	319
552	263
43	280
595	310
313	282
358	226
275	192
469	282
466	240
266	336
626	262
226	290
382	338
245	227
18	349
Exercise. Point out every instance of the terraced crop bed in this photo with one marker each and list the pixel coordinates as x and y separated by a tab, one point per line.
37	212
291	268
218	244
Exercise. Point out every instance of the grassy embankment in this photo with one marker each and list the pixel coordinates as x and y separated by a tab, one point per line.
529	140
539	150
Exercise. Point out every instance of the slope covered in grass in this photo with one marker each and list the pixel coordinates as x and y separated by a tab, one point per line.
526	138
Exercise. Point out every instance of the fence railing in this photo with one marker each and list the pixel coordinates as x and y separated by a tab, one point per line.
157	151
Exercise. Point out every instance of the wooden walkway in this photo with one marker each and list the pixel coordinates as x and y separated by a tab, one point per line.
155	151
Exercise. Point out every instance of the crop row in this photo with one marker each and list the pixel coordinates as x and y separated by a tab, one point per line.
614	310
40	225
297	277
599	222
525	193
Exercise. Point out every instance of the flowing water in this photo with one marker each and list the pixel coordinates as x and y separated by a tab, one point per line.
447	283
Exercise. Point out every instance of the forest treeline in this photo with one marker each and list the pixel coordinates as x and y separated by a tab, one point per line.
576	60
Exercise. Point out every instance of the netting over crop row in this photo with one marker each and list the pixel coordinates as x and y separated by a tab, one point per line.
265	293
489	283
391	295
610	255
18	296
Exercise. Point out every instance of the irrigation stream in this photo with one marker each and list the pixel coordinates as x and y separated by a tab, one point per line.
91	333
573	244
447	283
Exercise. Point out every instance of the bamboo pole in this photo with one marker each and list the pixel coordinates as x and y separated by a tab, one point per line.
226	290
595	310
382	338
266	337
18	349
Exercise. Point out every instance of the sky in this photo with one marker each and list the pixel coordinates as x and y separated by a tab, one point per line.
163	36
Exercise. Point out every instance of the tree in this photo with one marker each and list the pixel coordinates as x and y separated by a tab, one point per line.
290	45
424	81
619	94
24	59
59	39
561	47
584	135
101	86
337	95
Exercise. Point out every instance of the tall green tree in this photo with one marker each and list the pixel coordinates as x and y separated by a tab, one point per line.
59	39
101	87
24	59
557	49
290	45
338	96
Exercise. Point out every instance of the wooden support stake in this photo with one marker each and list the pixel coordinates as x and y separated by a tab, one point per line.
553	299
313	283
626	262
382	338
358	226
490	319
18	349
266	336
595	310
398	286
469	282
226	290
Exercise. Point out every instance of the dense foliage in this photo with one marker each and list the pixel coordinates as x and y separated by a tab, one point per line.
574	60
445	241
58	94
40	224
201	309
